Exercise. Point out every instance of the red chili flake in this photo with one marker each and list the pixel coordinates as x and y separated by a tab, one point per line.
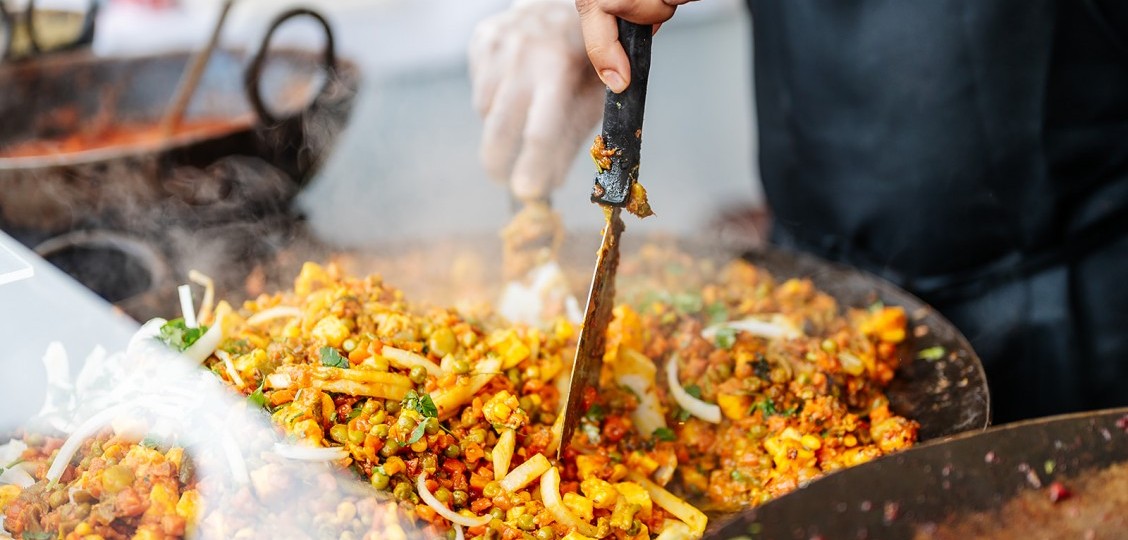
1122	423
1059	492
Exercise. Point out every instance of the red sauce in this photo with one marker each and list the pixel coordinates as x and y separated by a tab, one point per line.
120	136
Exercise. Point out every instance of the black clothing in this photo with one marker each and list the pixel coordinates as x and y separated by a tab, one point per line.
974	152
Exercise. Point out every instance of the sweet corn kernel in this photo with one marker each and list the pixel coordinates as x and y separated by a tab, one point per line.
602	493
589	465
811	442
636	494
579	505
734	406
331	331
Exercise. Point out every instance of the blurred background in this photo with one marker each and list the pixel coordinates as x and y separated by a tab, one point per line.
408	158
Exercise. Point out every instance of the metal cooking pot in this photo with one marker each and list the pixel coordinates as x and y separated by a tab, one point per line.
148	183
909	493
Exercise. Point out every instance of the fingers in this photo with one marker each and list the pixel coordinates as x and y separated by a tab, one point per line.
488	61
601	33
547	148
601	40
501	135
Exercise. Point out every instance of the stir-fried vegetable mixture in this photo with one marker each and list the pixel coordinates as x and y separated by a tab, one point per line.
721	389
726	399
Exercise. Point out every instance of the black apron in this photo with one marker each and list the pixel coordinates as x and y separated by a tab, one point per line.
974	152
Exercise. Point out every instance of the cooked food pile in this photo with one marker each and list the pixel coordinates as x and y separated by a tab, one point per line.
712	399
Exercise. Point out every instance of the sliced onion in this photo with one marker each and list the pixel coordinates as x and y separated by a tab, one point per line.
701	409
774	328
74	441
186	307
229	366
207	344
503	453
458	534
442	510
16	475
525	473
276	312
550	494
310	453
407	360
208	301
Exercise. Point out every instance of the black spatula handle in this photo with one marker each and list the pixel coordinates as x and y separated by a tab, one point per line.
622	120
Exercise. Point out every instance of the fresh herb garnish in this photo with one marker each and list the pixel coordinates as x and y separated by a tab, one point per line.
596	413
422	404
664	434
176	334
150	442
355	412
932	353
718	312
418	432
591	431
693	390
769	408
28	535
726	337
688	303
236	346
682	416
330	357
258	398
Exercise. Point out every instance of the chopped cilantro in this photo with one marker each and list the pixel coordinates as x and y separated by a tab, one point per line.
330	357
150	442
596	413
693	390
718	312
682	415
422	404
768	407
932	353
726	337
236	346
176	334
28	535
258	398
739	476
355	412
688	303
418	432
664	434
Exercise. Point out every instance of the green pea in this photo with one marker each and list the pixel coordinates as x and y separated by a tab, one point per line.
453	451
497	513
379	416
371	406
460	367
380	480
829	346
514	376
525	522
461	498
59	497
380	430
356	436
442	341
443	495
339	433
491	490
546	533
477	435
390	448
392	406
417	374
402	491
527	405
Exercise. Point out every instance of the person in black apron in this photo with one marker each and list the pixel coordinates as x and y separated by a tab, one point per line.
973	152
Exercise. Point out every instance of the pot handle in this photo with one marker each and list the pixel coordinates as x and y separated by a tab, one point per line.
84	38
253	77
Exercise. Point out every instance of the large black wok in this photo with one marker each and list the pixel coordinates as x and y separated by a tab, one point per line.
265	123
945	481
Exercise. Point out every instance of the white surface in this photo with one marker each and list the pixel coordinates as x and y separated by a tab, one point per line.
13	267
34	312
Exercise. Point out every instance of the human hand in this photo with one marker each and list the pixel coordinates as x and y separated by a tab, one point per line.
601	33
534	89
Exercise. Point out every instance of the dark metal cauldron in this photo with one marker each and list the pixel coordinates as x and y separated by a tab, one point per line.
143	184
